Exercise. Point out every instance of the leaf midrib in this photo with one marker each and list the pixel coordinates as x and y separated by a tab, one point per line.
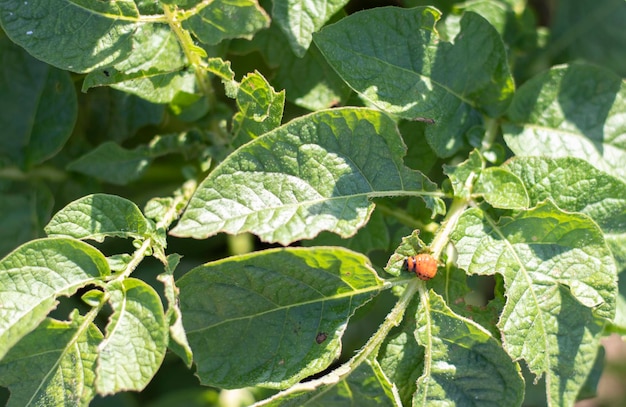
349	295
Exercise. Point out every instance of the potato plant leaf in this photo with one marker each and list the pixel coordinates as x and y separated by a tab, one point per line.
178	339
260	108
221	69
214	21
156	86
463	363
299	19
312	82
501	189
310	175
136	338
560	284
576	186
53	365
109	37
38	107
593	35
98	216
24	223
117	116
404	68
35	274
401	357
138	47
571	111
112	163
464	175
272	318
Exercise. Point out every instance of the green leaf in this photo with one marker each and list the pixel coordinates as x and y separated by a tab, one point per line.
571	111
501	189
178	342
52	36
419	155
366	385
28	211
465	363
401	357
260	107
620	312
499	13
310	82
154	85
156	71
576	186
299	19
212	22
116	116
593	34
617	243
463	176
136	338
53	365
309	175
38	107
560	283
590	388
98	216
114	164
274	317
34	274
221	69
395	60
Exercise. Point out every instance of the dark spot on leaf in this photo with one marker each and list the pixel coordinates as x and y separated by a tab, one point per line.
321	337
425	120
106	73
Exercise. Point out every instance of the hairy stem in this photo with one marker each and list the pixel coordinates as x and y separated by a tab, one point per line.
193	53
181	198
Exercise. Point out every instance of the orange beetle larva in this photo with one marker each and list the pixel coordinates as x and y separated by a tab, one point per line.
423	265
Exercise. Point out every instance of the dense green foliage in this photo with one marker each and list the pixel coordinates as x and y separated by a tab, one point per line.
281	161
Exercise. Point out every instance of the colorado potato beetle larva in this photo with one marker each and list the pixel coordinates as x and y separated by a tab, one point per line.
423	265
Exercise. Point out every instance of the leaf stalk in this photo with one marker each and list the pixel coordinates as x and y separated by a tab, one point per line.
192	52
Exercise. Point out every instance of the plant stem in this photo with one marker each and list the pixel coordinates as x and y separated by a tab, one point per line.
491	133
443	236
192	52
181	198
